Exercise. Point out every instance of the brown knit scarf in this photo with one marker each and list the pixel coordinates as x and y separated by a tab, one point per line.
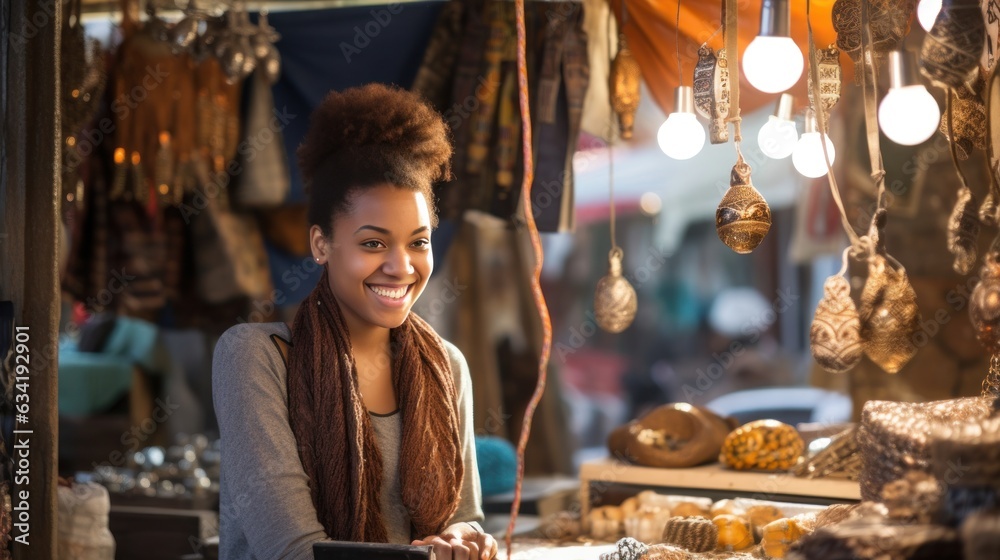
334	434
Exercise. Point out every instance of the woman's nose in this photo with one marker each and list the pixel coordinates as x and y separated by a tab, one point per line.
398	263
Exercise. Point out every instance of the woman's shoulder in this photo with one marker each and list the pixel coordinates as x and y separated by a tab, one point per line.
459	367
251	347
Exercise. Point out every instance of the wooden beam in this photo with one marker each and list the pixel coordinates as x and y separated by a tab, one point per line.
29	195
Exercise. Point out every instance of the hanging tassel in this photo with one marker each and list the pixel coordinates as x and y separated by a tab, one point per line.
743	217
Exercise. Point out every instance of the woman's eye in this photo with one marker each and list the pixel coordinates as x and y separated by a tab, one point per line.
422	243
373	244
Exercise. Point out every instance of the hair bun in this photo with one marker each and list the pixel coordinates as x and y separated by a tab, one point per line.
381	118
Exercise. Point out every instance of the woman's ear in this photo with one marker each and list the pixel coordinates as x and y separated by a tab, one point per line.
318	244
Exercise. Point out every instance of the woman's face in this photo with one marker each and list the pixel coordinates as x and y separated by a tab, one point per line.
379	257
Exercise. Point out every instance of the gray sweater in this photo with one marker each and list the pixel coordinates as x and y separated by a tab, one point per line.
266	509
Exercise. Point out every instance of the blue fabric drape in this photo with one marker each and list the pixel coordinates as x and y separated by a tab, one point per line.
334	49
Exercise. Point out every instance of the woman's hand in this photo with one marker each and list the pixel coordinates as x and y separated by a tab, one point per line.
461	541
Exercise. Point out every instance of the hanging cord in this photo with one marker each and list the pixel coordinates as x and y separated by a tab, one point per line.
677	43
730	12
855	240
869	79
712	36
612	125
536	244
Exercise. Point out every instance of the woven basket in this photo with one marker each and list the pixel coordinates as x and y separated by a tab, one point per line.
895	437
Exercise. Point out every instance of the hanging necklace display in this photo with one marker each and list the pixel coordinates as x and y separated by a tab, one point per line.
711	91
625	82
615	300
835	333
963	225
743	217
952	48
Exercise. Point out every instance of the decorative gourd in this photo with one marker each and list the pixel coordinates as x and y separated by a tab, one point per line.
762	515
727	507
734	533
762	444
690	509
779	536
605	522
646	524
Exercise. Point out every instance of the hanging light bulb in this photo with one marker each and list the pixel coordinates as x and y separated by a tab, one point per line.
927	12
908	114
773	62
778	136
808	155
682	136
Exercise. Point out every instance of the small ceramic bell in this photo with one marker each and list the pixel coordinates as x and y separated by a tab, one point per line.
743	217
835	334
952	48
984	306
889	316
615	301
711	92
625	80
963	231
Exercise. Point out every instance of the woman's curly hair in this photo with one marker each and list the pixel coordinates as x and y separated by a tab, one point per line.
368	136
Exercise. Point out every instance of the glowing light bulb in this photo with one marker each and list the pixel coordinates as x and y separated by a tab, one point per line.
927	12
772	61
681	136
772	64
808	155
908	114
778	136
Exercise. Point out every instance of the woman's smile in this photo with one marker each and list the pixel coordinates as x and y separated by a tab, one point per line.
393	295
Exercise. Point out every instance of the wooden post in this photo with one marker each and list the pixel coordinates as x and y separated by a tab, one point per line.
29	237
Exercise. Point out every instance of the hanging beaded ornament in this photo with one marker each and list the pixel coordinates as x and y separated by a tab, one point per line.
952	48
711	91
743	217
835	334
625	79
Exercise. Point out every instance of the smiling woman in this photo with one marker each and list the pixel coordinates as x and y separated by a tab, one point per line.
356	423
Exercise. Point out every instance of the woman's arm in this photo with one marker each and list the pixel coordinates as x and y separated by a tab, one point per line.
470	507
266	496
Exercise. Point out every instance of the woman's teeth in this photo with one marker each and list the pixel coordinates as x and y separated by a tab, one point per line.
394	293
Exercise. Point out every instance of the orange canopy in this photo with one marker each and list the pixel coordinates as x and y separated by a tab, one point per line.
651	33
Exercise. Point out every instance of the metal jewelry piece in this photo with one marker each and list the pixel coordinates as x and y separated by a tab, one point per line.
889	315
615	301
963	231
984	305
711	91
835	334
830	76
952	48
625	81
743	217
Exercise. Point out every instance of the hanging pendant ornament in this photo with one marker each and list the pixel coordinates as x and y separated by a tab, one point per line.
743	217
970	118
711	91
988	211
963	231
835	334
888	21
625	80
984	304
889	315
952	48
615	301
830	77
